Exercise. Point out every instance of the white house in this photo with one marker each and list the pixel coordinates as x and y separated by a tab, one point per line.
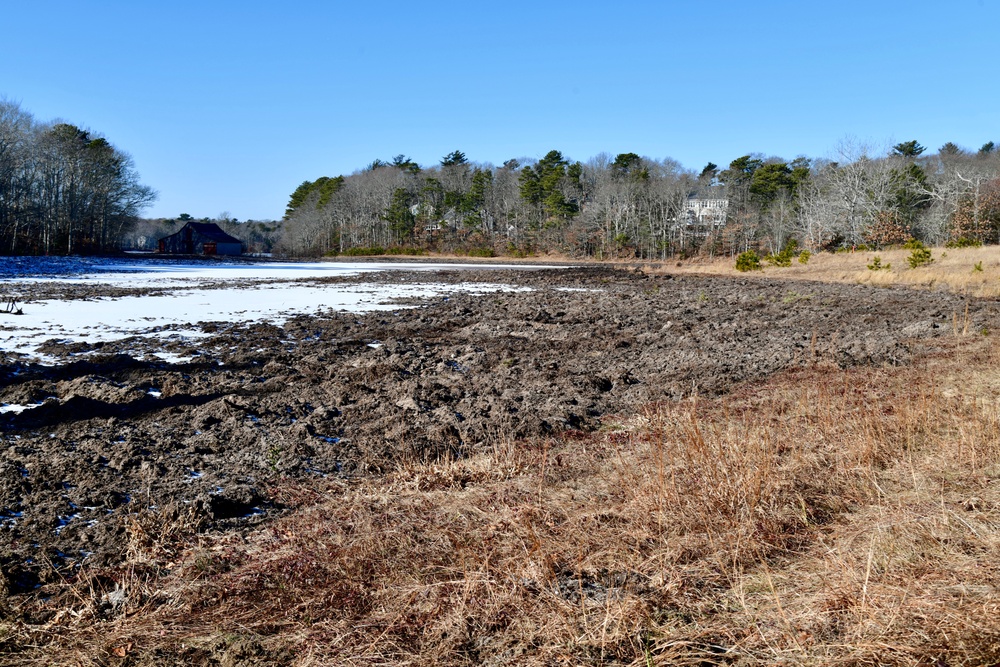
707	211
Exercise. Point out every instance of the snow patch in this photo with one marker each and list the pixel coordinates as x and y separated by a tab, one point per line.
196	293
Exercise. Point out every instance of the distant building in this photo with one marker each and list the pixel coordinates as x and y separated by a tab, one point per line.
707	211
200	238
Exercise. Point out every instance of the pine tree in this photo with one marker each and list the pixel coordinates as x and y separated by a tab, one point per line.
399	216
908	148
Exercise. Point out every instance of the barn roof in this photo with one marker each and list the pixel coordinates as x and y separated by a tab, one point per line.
209	230
212	231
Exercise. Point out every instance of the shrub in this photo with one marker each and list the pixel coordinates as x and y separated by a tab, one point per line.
964	242
920	255
877	265
748	261
365	251
780	259
520	253
784	258
861	247
400	250
804	257
977	267
482	252
886	229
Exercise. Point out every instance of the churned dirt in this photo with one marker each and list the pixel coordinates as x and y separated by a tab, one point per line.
358	395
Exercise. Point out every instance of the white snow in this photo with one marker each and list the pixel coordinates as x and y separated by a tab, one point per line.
195	293
168	274
16	409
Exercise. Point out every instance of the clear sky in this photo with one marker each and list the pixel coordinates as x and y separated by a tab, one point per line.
227	106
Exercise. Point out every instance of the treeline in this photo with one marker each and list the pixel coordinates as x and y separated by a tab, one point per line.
605	207
633	206
63	189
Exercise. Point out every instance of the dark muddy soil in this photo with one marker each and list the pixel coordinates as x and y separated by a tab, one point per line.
356	395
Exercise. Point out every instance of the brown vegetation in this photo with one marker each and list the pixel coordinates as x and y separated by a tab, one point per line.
953	269
824	516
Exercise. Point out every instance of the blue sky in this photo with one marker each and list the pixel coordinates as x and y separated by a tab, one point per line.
228	106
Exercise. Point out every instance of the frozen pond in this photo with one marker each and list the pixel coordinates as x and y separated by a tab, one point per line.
187	293
157	273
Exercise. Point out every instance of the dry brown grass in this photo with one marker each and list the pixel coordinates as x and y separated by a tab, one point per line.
822	517
953	269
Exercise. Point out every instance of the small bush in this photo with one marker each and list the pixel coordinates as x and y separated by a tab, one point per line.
784	258
964	242
780	259
877	265
804	257
520	253
748	261
977	267
920	255
481	252
364	251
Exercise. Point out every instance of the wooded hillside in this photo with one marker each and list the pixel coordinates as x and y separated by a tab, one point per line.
633	206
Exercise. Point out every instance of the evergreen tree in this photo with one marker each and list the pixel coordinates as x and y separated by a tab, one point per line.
474	202
950	149
801	171
530	186
911	196
399	216
403	163
908	148
741	170
542	184
454	158
296	200
709	173
629	165
768	181
326	187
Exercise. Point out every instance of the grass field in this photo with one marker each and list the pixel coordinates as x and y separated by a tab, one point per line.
953	269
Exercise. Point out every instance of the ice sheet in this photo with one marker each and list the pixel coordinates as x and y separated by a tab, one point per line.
166	273
172	314
194	292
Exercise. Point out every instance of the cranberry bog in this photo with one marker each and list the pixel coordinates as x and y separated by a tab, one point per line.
424	464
